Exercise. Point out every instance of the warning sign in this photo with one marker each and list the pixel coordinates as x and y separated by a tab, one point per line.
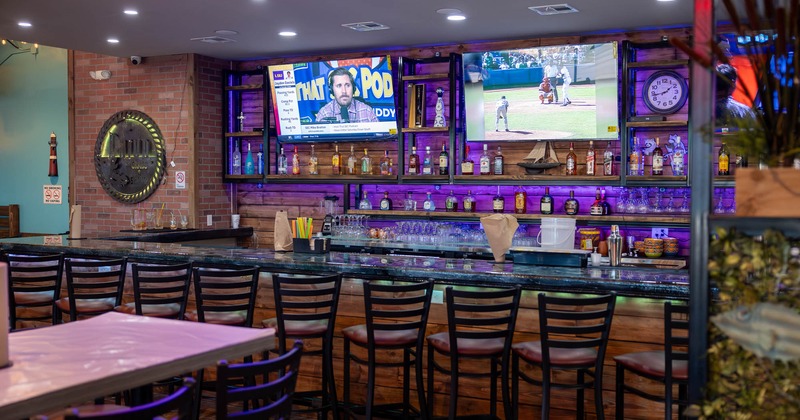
180	180
52	194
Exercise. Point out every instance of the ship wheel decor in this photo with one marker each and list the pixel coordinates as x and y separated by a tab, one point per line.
129	156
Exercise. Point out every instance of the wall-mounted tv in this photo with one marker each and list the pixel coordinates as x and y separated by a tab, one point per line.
350	99
560	92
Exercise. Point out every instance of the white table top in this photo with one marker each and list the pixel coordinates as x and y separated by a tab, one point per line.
78	361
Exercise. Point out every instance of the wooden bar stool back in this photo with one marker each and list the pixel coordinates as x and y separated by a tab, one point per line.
225	296
396	317
574	334
93	287
305	308
480	326
34	285
669	366
179	402
159	290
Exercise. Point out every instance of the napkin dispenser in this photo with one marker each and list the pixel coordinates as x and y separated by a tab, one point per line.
312	245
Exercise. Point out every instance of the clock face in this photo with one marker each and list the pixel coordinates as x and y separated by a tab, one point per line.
665	92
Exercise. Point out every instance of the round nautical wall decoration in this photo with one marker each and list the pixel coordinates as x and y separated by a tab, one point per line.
129	156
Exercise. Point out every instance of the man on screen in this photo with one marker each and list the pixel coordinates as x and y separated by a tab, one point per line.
546	91
344	108
728	110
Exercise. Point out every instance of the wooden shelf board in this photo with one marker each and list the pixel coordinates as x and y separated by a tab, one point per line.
258	86
657	178
424	77
544	178
656	124
343	179
426	129
245	134
622	218
658	64
243	177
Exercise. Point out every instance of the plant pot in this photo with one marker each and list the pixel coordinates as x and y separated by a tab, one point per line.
768	192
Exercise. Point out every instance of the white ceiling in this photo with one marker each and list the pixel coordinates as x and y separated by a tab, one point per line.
166	26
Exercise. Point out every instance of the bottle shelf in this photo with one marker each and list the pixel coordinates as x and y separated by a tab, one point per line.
665	64
657	124
254	177
677	220
245	134
332	179
724	180
257	86
536	180
657	180
426	129
425	77
425	179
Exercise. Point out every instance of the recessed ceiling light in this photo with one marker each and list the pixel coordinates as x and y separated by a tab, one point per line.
666	0
449	11
130	12
456	17
113	41
226	32
287	33
25	24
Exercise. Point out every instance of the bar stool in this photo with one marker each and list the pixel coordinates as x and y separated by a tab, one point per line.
34	284
669	366
305	308
494	312
225	296
574	334
93	287
159	290
396	315
180	401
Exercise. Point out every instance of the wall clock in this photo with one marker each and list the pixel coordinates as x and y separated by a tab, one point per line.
665	92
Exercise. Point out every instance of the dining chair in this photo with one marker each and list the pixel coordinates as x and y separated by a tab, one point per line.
94	287
225	296
180	401
669	366
34	285
271	399
574	334
159	290
480	326
396	317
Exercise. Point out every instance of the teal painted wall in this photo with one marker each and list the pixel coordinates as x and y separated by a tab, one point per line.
34	103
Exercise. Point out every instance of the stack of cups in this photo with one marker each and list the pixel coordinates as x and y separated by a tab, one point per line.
653	247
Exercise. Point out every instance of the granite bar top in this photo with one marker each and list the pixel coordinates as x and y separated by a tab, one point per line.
181	235
626	281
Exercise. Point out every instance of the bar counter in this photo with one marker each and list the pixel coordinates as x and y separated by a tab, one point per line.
626	281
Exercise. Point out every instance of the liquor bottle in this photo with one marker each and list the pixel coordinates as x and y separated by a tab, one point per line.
351	162
658	160
413	162
520	201
391	167
498	202
484	162
596	209
444	161
724	160
386	202
572	161
283	163
236	159
469	202
467	165
636	163
678	161
383	164
571	206
497	166
366	163
741	161
336	161
260	160
604	203
608	161
364	204
409	204
427	162
546	202
295	162
249	163
451	203
313	162
590	161
428	204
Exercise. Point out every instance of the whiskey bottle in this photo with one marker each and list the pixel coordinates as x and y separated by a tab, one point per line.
444	161
590	159
485	162
572	161
469	202
384	163
723	163
427	162
351	162
596	209
520	201
428	204
498	202
249	163
386	202
546	202
336	161
571	206
413	162
366	163
236	159
608	161
658	160
635	161
283	163
313	162
295	162
451	203
467	165
497	167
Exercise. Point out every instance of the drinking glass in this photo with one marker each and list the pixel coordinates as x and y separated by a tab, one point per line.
621	204
685	207
184	221
644	205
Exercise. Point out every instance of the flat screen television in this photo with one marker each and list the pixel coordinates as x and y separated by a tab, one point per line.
350	99
580	103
